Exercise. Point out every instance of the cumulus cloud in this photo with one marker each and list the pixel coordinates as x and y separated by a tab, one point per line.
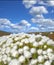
38	10
29	3
7	24
46	2
44	24
50	2
39	16
25	23
4	21
43	21
33	29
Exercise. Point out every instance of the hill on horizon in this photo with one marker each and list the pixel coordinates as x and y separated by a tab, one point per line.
48	34
4	33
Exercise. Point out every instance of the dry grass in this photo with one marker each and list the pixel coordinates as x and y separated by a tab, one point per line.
4	33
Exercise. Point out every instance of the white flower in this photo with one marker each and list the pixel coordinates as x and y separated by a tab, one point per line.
45	46
15	47
0	58
26	41
22	59
31	40
25	48
4	58
3	39
38	35
14	53
41	42
8	50
44	52
17	43
27	54
11	44
49	50
40	58
33	50
20	51
9	40
35	44
47	63
22	40
4	46
40	64
33	62
8	59
51	56
20	44
39	51
50	42
45	39
45	57
14	62
16	38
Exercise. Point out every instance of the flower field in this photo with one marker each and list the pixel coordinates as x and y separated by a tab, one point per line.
26	49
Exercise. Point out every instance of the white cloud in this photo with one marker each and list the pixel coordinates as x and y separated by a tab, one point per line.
43	21
51	27
25	23
39	16
38	10
42	28
46	2
4	21
18	27
50	2
44	24
29	3
33	29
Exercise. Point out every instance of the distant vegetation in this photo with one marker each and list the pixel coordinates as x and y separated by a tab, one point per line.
48	34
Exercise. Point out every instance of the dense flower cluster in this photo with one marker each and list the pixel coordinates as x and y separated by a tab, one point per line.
26	49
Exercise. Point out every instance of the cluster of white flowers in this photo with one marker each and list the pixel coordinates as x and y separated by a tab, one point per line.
26	49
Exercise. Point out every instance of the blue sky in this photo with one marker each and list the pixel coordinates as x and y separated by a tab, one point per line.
27	16
13	10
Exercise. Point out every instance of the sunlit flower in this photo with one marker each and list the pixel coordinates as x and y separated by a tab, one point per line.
14	62
22	59
33	50
25	48
27	54
35	44
33	62
49	50
39	51
22	49
40	58
47	63
14	53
